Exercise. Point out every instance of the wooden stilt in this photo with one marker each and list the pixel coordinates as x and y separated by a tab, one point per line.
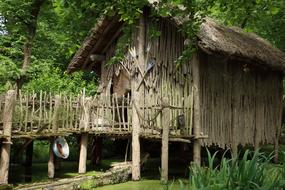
51	167
197	111
138	99
165	142
51	162
83	153
135	147
6	144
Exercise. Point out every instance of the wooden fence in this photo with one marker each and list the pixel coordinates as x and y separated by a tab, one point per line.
35	112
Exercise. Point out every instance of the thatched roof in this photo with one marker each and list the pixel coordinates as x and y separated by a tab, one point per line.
213	38
236	44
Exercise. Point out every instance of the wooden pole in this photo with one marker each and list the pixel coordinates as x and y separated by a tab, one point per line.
165	139
197	110
7	129
137	99
83	153
51	162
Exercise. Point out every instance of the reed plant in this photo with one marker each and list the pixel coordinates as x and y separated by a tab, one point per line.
253	170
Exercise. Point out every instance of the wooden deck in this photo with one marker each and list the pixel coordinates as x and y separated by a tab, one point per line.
36	115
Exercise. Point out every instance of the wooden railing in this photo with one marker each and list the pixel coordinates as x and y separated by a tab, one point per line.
35	112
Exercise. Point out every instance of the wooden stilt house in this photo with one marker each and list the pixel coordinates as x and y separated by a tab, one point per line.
230	91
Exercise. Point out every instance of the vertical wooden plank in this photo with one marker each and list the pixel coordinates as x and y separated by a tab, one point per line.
21	122
50	112
118	112
27	111
123	113
33	110
7	129
71	116
96	119
44	108
51	165
85	117
113	112
41	110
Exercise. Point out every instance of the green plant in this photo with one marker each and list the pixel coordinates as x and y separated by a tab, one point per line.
253	171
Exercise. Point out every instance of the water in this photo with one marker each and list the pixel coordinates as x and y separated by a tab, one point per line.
140	185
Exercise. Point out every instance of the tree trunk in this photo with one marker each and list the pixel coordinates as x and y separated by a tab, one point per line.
31	26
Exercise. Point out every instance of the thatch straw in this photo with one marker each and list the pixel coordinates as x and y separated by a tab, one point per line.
234	43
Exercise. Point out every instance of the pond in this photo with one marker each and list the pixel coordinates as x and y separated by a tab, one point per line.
140	185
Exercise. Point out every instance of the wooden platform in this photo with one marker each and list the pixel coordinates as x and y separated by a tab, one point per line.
37	115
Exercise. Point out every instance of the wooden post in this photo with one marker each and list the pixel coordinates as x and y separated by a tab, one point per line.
83	153
51	164
138	99
197	110
84	125
7	130
164	141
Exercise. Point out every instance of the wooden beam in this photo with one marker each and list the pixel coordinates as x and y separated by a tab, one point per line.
7	128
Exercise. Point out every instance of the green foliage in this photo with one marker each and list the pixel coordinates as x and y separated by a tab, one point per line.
253	171
63	24
46	77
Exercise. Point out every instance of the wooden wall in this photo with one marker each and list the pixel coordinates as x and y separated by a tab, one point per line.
165	79
240	104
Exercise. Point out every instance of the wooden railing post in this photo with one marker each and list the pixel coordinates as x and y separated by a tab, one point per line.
84	125
7	129
164	141
85	117
51	162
